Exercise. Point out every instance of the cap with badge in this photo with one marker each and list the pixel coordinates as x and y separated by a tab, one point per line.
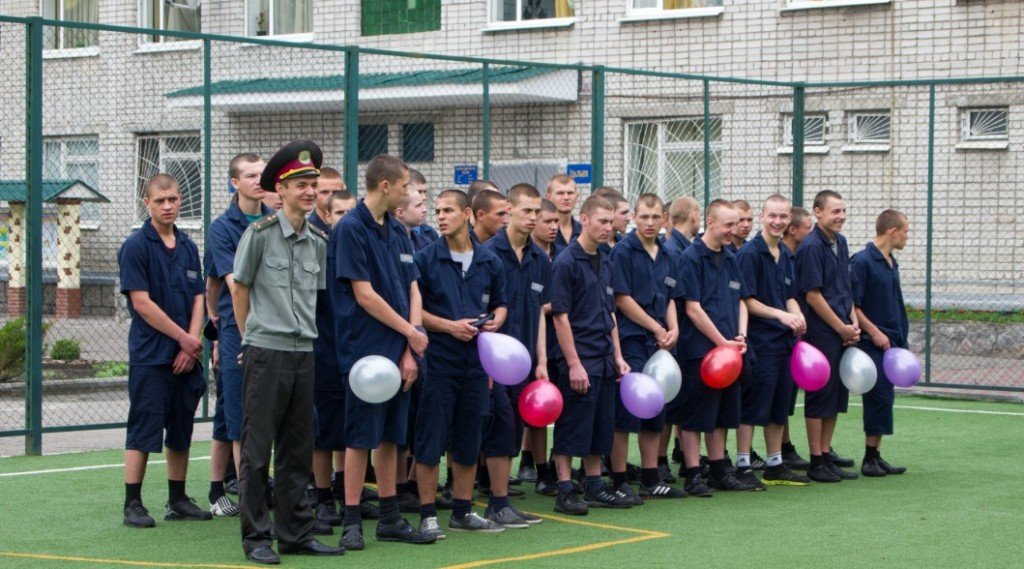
297	159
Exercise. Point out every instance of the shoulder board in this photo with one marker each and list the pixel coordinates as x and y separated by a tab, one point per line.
317	231
266	222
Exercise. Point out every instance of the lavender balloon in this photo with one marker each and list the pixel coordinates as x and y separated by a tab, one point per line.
901	366
503	357
641	395
809	367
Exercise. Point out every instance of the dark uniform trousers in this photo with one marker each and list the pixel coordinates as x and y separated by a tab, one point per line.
277	396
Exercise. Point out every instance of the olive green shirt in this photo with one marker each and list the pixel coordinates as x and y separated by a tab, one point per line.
283	270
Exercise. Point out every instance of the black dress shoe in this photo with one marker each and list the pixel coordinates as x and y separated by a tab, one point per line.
402	532
839	460
327	512
890	469
794	461
822	473
263	554
311	547
352	538
321	527
871	468
844	474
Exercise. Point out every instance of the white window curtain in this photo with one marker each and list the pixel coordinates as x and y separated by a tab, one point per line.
293	17
183	15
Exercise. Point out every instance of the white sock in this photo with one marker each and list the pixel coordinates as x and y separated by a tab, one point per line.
775	459
743	460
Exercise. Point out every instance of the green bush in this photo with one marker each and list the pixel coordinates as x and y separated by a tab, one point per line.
111	369
12	348
66	350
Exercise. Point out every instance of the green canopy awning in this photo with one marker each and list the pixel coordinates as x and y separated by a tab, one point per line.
53	191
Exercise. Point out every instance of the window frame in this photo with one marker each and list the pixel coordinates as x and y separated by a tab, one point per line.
144	13
787	129
796	5
412	126
852	128
66	160
661	12
966	123
494	24
60	31
717	148
295	36
192	221
387	142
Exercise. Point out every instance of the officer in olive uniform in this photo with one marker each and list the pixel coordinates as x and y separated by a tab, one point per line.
279	266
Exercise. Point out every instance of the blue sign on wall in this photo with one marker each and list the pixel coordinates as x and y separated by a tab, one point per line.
580	173
465	175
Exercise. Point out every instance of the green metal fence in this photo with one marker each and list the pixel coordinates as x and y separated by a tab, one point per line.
129	102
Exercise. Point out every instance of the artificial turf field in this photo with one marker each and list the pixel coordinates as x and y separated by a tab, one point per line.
960	505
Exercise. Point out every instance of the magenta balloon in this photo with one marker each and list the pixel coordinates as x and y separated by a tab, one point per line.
901	366
505	359
809	367
641	395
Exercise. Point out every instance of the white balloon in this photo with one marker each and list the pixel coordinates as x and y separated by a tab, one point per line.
374	379
662	366
857	371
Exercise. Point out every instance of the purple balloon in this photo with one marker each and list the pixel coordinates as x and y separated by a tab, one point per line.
902	368
641	395
505	359
809	367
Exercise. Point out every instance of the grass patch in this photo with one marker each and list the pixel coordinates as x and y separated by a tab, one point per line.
1016	317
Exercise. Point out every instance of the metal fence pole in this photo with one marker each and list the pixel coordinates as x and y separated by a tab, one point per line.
207	194
33	238
928	238
798	145
352	119
707	143
597	127
486	111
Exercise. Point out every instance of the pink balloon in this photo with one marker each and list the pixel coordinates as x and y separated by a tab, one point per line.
810	367
504	358
641	395
902	368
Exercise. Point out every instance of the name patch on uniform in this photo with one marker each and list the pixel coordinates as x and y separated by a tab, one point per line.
537	287
788	282
734	285
192	275
670	282
609	291
485	298
405	258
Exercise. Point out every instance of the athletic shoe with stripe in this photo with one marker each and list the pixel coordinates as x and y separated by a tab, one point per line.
186	509
224	508
429	526
661	490
756	462
472	522
747	476
783	476
604	498
505	517
626	491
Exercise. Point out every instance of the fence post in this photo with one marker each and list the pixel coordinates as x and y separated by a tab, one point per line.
928	239
352	119
33	238
486	111
597	127
207	195
798	145
707	143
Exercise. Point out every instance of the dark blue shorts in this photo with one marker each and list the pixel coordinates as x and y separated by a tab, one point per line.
231	380
702	408
452	412
330	419
369	424
587	424
793	398
879	401
499	434
220	427
636	351
160	401
414	406
768	393
834	398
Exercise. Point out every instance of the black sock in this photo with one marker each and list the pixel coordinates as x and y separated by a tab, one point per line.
543	472
216	490
353	515
717	468
817	460
428	510
175	490
618	479
461	508
870	452
663	460
448	477
132	492
826	458
649	477
526	459
338	486
788	448
389	510
324	496
692	472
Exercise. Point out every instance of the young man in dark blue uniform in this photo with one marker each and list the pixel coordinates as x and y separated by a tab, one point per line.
775	321
527	275
825	294
222	241
162	277
743	226
800	225
881	312
418	185
490	215
377	311
459	282
713	314
644	281
590	361
562	192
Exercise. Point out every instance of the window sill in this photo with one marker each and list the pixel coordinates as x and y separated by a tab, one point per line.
294	38
526	25
72	53
685	14
89	226
801	5
812	149
169	46
983	145
867	148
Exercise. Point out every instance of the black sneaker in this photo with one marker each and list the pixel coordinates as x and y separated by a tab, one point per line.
665	474
845	475
729	467
327	512
729	483
137	516
839	460
473	523
369	494
705	466
794	461
661	490
822	473
186	509
516	493
547	488
626	491
515	481
872	469
890	469
527	473
570	504
505	517
696	487
604	498
402	532
756	462
369	510
231	486
747	476
528	518
321	527
352	538
782	476
408	502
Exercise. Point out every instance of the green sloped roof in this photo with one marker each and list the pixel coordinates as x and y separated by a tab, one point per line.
15	191
366	81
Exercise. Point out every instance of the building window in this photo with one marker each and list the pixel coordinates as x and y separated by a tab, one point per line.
667	158
641	7
870	127
815	128
75	159
383	17
418	142
523	10
373	140
179	156
984	124
76	11
279	17
172	15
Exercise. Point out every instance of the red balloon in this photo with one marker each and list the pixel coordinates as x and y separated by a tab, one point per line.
721	367
540	403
